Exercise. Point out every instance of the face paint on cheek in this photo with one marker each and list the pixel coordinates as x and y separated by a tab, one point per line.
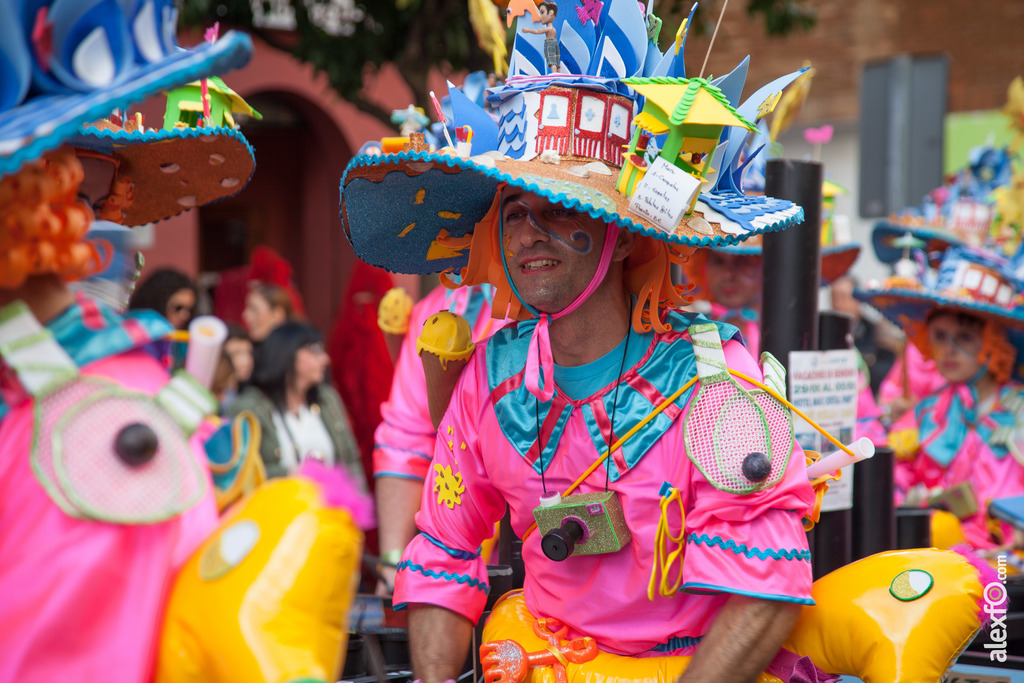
576	235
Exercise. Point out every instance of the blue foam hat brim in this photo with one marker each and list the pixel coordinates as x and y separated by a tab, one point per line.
902	305
214	163
45	121
394	207
885	234
836	261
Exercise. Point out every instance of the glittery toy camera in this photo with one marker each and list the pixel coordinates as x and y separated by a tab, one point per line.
581	524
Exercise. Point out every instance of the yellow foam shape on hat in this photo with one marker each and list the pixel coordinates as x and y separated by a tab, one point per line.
394	311
863	624
265	598
446	335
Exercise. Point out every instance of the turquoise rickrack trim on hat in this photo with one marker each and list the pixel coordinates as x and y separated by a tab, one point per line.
445	576
720	203
750	552
67	113
128	138
1014	316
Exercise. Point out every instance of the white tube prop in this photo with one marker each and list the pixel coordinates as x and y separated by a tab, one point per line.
206	335
862	450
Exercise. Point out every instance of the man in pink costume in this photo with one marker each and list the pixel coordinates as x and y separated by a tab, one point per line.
404	440
600	347
747	566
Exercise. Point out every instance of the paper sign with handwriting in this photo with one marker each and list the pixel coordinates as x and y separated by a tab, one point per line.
664	195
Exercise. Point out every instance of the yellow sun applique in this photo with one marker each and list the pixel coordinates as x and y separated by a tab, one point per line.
448	487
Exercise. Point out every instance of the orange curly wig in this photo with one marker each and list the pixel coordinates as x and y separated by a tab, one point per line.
647	272
43	225
997	353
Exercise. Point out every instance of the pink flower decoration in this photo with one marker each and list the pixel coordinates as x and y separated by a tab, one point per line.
819	136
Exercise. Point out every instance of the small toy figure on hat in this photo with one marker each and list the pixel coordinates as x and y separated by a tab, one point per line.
548	13
962	445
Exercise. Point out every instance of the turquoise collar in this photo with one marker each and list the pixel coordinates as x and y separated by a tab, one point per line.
90	331
663	369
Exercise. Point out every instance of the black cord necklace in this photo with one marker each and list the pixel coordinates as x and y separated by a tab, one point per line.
611	421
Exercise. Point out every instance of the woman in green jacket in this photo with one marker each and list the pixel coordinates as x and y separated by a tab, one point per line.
301	416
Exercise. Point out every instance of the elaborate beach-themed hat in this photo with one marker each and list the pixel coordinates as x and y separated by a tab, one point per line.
959	212
66	64
618	133
147	174
836	260
969	280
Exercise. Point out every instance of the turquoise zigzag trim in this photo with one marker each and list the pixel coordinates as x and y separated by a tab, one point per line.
677	643
560	197
457	578
453	552
742	549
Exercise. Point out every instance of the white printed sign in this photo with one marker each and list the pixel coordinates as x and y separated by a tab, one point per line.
823	384
664	194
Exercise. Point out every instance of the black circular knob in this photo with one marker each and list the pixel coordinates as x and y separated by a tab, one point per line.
136	444
756	467
559	543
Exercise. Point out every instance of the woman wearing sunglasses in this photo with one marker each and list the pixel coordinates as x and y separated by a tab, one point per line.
170	293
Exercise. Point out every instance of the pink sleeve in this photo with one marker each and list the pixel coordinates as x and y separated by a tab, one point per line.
404	439
891	387
922	377
751	544
442	565
868	414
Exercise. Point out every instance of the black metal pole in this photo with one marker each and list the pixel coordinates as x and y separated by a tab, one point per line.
792	268
792	262
832	544
874	515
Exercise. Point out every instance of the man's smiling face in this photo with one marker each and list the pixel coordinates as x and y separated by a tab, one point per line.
552	252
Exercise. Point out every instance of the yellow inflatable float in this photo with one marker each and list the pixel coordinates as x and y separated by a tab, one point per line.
896	617
265	599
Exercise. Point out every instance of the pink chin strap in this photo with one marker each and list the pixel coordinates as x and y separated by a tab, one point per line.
540	364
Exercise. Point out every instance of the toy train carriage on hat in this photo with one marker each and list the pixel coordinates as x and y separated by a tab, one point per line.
563	136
